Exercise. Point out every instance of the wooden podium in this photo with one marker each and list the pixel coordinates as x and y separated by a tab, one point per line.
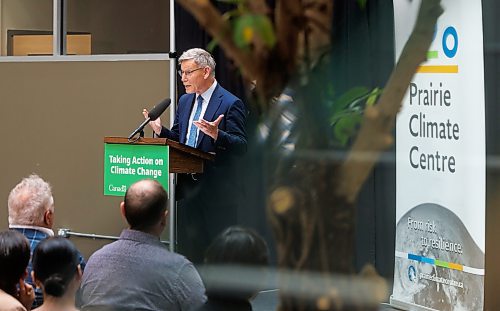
182	158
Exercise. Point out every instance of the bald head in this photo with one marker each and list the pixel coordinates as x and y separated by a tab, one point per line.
145	204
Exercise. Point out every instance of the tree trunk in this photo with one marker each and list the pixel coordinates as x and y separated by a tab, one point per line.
312	202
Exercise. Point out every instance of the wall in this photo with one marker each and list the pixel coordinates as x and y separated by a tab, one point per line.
144	27
122	26
1	28
54	117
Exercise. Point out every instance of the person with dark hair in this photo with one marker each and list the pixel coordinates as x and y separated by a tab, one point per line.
15	294
31	212
236	248
56	270
138	272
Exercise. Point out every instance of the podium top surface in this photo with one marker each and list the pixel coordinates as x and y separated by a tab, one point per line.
162	141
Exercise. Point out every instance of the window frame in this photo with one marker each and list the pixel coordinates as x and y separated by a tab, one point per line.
59	26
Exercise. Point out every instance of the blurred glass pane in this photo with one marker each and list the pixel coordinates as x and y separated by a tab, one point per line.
26	27
121	26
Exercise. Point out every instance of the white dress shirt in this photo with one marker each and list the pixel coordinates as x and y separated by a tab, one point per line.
206	99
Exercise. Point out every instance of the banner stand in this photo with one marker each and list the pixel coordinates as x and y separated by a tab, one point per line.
440	216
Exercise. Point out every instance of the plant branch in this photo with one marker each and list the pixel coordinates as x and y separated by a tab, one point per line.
289	23
375	133
213	22
258	7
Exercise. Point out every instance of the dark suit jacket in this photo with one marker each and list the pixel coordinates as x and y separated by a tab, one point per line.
232	135
209	202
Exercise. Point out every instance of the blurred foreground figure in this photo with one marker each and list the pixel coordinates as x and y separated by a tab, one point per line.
235	248
15	294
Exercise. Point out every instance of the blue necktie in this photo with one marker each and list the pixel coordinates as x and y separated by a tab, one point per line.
193	131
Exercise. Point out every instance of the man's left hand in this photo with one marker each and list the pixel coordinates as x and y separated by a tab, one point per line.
209	128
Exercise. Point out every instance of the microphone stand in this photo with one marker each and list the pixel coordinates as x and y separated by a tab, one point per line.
139	129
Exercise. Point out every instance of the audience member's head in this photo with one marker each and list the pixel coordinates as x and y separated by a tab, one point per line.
14	258
145	206
31	203
56	266
236	246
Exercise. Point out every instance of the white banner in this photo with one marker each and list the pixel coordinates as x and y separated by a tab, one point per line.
440	165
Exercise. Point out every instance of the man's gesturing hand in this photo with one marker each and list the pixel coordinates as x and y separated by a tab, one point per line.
209	128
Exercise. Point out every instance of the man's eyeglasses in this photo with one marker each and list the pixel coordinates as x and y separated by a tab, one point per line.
187	72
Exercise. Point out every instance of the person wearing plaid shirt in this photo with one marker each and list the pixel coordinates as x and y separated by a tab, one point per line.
31	212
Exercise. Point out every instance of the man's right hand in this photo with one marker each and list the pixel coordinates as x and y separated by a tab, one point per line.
155	125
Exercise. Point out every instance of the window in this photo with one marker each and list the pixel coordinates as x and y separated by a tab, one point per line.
89	27
121	26
22	18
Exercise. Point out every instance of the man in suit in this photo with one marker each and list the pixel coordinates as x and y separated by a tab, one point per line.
210	119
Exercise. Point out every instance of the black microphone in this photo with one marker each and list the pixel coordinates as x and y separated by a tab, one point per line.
158	109
152	115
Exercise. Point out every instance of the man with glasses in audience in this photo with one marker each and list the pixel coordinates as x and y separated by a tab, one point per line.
210	119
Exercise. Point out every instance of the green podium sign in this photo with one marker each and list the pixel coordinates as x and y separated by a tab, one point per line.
125	164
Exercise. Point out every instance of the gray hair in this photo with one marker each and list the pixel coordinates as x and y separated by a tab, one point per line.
29	200
200	57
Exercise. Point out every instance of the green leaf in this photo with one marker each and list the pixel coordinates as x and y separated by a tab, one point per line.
247	26
265	30
346	113
211	45
346	127
348	98
362	3
243	30
373	96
